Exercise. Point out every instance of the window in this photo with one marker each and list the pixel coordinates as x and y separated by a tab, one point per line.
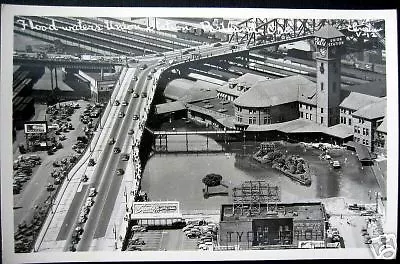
322	110
306	115
341	120
240	119
366	142
363	131
301	114
349	121
322	120
252	111
344	120
322	87
310	116
300	105
252	120
239	109
310	107
267	119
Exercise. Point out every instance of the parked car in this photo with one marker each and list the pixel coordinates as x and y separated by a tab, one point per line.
121	114
124	103
92	192
130	132
130	90
125	157
144	94
143	66
120	172
117	150
111	141
149	77
135	117
116	103
135	95
135	78
91	162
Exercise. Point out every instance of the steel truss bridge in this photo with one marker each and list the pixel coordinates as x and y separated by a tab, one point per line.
258	31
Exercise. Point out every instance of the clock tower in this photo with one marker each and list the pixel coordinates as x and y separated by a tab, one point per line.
329	42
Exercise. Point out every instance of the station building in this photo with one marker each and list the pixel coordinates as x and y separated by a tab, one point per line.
288	226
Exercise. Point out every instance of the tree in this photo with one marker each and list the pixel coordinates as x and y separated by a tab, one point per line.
211	180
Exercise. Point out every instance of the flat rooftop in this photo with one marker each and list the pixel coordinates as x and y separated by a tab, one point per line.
297	211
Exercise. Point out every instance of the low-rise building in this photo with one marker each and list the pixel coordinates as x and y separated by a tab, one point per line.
276	101
281	225
380	138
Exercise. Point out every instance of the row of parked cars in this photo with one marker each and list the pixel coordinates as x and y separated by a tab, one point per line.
23	170
204	232
83	216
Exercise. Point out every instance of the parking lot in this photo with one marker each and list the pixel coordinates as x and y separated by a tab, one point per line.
193	236
33	198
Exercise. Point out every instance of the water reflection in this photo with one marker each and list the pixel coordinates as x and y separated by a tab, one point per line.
178	176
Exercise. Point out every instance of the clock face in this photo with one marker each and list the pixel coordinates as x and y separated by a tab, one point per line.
322	51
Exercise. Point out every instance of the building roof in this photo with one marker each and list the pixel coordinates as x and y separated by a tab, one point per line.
277	92
328	31
297	211
247	79
170	107
372	111
190	91
305	126
357	100
382	126
362	151
375	88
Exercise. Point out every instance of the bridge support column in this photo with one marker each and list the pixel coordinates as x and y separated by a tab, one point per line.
51	81
166	143
55	76
187	143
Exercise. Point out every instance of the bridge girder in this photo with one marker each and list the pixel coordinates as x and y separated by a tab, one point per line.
254	31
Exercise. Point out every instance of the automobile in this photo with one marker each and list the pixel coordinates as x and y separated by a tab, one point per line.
364	233
92	192
367	240
135	95
89	201
187	228
84	178
91	162
143	66
130	90
117	150
367	213
50	187
144	94
62	137
124	103
135	117
125	157
233	47
154	70
130	132
79	229
159	55
208	243
120	172
135	78
116	103
121	114
149	77
111	141
217	44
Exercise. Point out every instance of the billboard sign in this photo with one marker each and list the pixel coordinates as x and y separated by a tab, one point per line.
155	209
35	127
311	244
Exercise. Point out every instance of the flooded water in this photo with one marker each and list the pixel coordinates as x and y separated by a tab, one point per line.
177	176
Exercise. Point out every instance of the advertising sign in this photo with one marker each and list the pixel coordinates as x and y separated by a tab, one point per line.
311	244
35	127
152	209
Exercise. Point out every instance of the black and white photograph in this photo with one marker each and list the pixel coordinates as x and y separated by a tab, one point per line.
218	134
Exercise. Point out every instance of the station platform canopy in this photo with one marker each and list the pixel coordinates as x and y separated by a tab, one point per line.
170	107
304	126
363	154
